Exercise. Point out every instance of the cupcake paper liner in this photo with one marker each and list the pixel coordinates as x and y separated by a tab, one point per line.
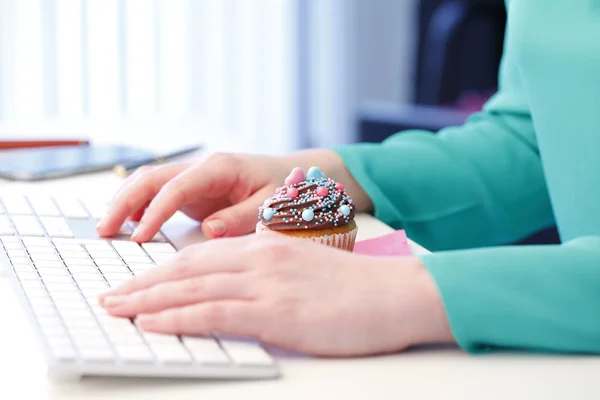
344	241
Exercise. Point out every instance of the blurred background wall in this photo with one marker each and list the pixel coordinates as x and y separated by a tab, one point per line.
252	75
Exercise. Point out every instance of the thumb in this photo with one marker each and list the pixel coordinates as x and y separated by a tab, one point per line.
236	220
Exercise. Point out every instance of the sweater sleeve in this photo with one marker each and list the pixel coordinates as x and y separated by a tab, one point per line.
474	185
467	188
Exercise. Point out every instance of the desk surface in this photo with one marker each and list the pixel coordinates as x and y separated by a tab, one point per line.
429	373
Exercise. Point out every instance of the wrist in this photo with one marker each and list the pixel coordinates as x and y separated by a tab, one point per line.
430	318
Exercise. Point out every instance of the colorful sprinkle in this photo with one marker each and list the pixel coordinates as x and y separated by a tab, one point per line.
339	186
322	191
308	215
296	176
268	213
292	192
314	173
345	210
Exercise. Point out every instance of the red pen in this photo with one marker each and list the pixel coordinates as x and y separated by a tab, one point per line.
21	144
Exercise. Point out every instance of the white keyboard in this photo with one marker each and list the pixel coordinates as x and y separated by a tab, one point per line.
59	266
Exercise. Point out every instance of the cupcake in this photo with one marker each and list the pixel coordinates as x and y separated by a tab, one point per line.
311	207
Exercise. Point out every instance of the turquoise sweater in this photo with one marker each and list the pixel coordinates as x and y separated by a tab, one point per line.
530	159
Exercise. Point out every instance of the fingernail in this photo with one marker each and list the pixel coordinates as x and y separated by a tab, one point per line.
114	301
136	232
101	224
217	227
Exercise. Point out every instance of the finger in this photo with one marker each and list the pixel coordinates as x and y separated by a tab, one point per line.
222	255
235	220
211	179
230	317
173	294
136	216
134	195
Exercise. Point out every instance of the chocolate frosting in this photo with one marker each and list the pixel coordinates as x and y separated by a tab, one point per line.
310	208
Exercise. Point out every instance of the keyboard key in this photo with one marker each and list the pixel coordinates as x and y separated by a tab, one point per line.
13	245
97	209
161	257
100	355
89	286
6	229
60	287
41	250
134	353
41	313
53	271
69	262
114	268
244	353
36	242
80	323
24	268
44	206
70	255
20	260
26	275
53	222
137	259
171	354
63	353
49	264
9	239
98	245
87	276
100	262
155	248
77	268
206	351
159	338
57	279
44	312
67	299
42	302
27	225
104	255
45	257
16	205
126	248
141	267
71	208
117	275
159	237
12	253
71	247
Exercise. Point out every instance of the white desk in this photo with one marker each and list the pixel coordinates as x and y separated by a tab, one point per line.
419	374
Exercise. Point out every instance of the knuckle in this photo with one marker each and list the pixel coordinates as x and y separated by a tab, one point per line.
181	268
194	286
225	159
276	249
143	298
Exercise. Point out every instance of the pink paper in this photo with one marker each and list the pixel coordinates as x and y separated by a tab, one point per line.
392	244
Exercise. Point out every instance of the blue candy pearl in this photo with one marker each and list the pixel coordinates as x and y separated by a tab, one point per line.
345	210
308	215
268	213
314	173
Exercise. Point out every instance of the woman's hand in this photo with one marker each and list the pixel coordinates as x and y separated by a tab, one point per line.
224	192
289	293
